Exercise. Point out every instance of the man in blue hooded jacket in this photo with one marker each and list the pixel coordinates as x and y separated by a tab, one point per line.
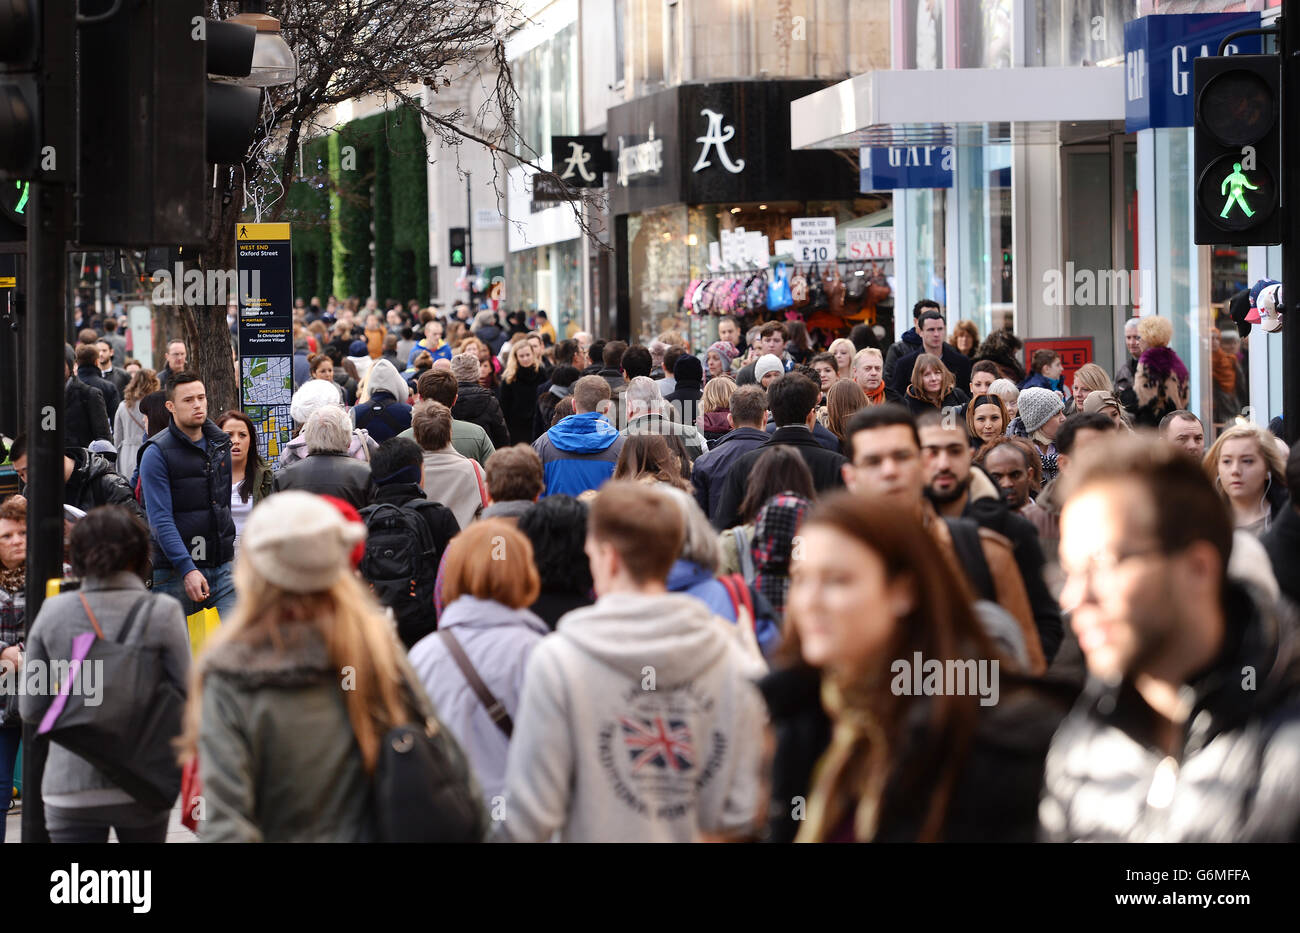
579	453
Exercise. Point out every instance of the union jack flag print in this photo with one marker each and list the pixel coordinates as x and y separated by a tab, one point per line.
658	743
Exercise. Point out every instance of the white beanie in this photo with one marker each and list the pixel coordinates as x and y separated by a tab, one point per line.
767	363
299	541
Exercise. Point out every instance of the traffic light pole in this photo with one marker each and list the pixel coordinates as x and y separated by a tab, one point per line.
469	241
1290	112
47	235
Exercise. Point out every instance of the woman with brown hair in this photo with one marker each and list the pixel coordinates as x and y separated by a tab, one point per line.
933	386
488	582
1250	473
917	752
965	338
779	470
294	695
657	458
842	399
130	424
986	420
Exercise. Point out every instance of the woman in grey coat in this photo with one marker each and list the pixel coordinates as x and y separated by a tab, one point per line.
110	552
296	691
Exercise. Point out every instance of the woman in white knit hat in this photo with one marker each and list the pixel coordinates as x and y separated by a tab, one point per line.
296	692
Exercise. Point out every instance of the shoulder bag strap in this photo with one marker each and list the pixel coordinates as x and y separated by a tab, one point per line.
743	552
493	705
90	613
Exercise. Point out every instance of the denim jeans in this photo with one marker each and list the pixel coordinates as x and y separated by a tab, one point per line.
10	736
133	822
221	589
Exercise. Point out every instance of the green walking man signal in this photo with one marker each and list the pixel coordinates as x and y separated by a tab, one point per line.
1238	181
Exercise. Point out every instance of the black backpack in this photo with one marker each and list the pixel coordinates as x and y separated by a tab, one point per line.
401	564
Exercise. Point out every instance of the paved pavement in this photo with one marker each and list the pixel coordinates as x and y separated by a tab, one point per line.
175	831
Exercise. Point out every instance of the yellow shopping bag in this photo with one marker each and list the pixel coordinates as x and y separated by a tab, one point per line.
202	625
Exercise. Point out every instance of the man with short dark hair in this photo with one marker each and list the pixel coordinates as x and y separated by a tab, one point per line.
911	339
601	754
469	439
772	338
89	480
668	383
612	371
514	482
85	413
1189	725
87	355
930	325
185	484
115	340
748	416
450	478
887	461
958	489
792	399
114	374
1185	431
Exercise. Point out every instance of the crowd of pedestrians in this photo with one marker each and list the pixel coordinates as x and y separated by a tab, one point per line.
754	590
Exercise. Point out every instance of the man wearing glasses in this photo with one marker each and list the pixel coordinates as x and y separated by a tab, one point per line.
1189	726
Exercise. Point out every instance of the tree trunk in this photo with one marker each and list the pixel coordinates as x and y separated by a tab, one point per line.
206	329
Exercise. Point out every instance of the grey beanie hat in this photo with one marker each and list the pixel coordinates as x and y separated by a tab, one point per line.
1036	407
464	366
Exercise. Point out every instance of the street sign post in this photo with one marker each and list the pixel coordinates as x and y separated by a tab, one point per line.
265	265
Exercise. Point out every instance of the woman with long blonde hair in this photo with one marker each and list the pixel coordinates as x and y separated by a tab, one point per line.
519	385
843	350
130	425
294	694
1249	471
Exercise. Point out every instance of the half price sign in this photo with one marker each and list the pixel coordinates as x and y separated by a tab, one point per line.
814	238
869	243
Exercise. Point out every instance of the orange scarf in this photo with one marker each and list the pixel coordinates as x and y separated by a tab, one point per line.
877	397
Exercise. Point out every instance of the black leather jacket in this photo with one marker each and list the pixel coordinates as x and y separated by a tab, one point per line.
330	473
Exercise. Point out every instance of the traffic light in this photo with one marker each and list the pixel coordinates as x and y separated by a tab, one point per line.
1238	168
15	196
456	243
36	51
151	121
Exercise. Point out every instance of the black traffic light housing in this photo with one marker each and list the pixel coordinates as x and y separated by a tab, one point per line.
37	136
456	246
151	121
1238	167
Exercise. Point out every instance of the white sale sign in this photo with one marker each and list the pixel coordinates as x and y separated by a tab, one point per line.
869	243
814	238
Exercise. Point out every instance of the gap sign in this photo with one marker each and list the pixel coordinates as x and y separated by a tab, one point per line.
906	167
1158	53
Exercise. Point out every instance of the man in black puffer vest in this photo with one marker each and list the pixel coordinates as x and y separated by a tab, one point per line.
185	483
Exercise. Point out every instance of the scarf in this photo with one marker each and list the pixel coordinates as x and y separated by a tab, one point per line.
13	580
877	397
774	530
852	772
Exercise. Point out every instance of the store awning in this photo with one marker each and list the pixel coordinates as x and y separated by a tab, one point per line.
909	107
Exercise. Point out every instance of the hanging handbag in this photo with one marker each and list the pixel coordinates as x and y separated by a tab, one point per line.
816	293
855	289
688	299
778	290
423	788
130	738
